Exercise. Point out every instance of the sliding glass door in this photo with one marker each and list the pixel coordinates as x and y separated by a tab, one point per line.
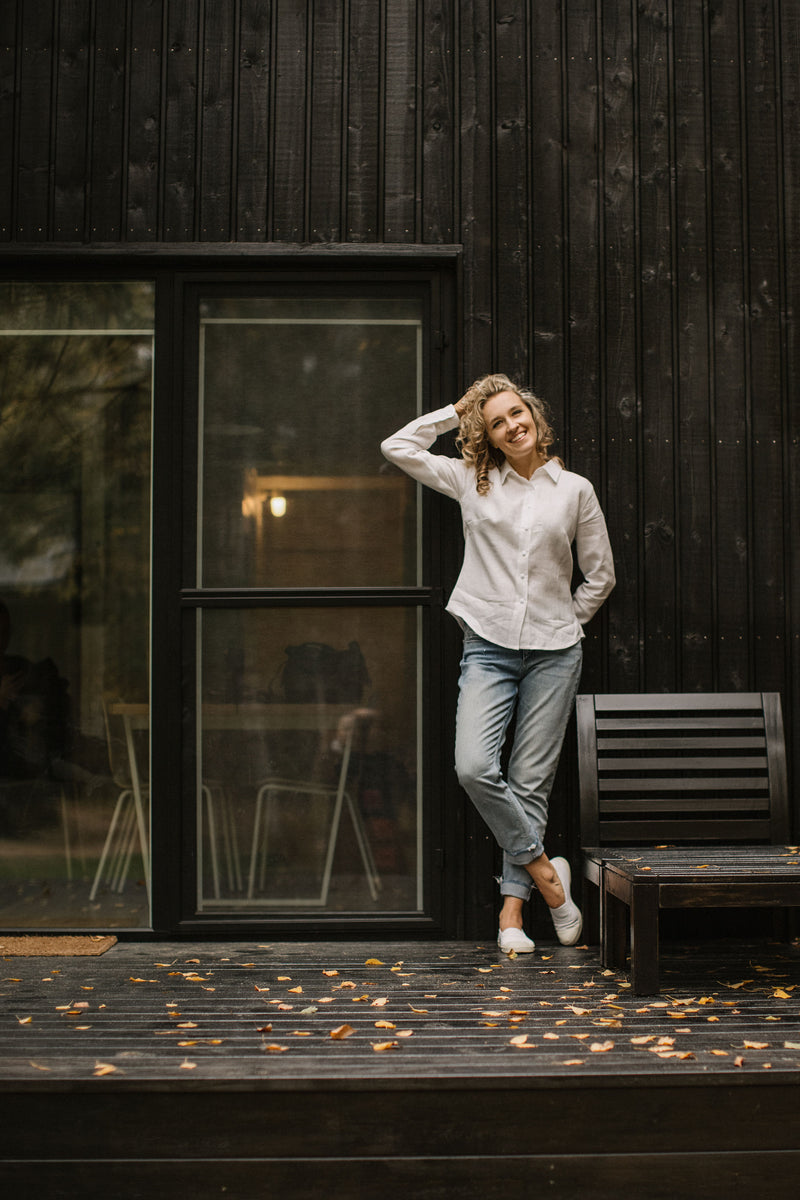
308	610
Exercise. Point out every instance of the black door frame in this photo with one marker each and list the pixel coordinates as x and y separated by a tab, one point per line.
174	891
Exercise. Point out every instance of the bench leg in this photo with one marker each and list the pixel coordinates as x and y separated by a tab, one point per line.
644	940
613	931
592	900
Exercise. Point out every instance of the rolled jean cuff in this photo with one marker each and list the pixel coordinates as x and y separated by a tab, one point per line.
515	889
526	856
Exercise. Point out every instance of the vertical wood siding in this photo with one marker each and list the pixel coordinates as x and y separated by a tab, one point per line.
624	179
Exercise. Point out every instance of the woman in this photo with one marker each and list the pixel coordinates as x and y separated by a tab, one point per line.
522	623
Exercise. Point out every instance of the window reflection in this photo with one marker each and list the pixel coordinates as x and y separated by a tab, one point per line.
76	364
308	791
295	399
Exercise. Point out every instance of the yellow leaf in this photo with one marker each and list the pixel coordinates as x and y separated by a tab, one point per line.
296	989
791	1045
519	1040
187	1025
756	1045
342	1031
572	1062
284	979
24	1020
275	1049
551	1037
384	1025
38	1066
301	1033
738	1061
601	1047
330	973
101	1068
380	1003
405	1033
186	1065
720	1053
780	994
643	1040
260	989
379	1046
417	1010
187	1043
374	962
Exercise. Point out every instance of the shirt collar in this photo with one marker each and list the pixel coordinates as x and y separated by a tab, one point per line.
552	468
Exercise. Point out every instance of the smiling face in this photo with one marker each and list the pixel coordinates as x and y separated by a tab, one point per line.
511	427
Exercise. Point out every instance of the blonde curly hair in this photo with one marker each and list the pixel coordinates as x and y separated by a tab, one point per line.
473	438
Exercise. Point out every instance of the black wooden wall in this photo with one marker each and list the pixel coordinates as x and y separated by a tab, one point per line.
622	175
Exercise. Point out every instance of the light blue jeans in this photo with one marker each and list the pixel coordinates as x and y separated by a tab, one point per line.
540	687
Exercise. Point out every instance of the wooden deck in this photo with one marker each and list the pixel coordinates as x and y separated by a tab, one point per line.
176	1069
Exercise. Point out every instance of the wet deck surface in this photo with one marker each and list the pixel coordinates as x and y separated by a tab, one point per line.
285	1014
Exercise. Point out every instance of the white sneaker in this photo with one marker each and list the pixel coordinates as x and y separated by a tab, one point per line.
567	917
516	940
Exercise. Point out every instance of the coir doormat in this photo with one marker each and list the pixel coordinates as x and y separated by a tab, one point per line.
35	946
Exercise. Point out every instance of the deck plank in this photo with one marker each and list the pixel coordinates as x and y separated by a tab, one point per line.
149	1010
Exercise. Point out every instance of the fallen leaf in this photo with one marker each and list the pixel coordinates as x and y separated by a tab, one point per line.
405	1033
643	1040
384	1025
330	973
301	1033
519	1040
295	989
738	1061
550	1037
24	1020
374	962
381	1002
601	1047
101	1068
791	1045
38	1066
272	1048
187	1065
573	1062
342	1031
756	1045
417	1010
780	994
380	1046
720	1053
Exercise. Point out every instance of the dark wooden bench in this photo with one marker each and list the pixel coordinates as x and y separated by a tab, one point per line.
684	804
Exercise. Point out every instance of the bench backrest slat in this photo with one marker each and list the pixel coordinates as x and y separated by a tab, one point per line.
682	768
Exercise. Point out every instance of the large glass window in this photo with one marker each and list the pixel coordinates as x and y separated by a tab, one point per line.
308	772
308	788
296	396
76	365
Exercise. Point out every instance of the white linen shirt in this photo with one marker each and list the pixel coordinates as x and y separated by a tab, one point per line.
514	588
